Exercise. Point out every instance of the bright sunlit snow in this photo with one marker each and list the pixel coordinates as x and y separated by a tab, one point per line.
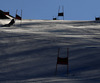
28	51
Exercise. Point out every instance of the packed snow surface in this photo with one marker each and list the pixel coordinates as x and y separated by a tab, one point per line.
29	48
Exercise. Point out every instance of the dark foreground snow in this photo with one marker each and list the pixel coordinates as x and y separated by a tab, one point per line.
28	52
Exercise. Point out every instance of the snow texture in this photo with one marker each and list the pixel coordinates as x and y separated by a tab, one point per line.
28	51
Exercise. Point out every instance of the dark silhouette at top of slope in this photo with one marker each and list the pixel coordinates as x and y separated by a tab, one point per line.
2	15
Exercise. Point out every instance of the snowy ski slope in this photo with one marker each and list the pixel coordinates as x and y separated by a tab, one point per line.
28	51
